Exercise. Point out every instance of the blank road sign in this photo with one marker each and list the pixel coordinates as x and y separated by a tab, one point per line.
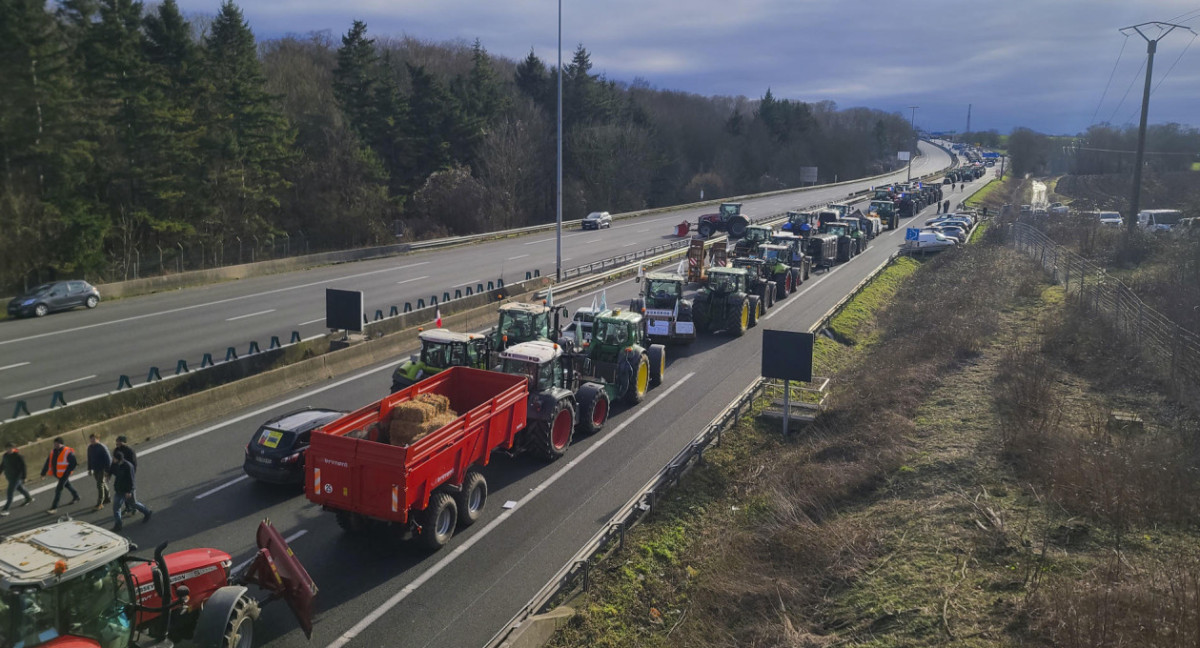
787	355
344	309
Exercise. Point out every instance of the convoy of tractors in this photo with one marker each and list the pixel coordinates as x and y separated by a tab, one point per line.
414	459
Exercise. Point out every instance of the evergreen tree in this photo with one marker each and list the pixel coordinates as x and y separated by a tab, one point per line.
480	92
355	80
533	81
438	129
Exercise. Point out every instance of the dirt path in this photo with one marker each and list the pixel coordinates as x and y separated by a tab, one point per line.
1039	193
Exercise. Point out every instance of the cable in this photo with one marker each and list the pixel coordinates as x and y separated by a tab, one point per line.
1110	78
1164	77
1181	17
1131	82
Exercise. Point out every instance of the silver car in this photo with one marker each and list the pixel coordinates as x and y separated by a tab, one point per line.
597	220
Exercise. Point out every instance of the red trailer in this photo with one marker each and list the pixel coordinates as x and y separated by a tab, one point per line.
433	485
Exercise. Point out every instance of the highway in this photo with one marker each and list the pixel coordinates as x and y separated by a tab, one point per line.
84	352
379	591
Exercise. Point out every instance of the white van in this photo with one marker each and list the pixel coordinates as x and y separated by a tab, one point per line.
930	241
1157	220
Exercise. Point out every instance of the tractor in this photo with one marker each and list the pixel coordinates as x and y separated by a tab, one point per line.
521	322
886	210
442	349
75	584
725	303
800	223
778	261
667	313
728	219
760	280
621	357
755	235
847	246
798	257
560	400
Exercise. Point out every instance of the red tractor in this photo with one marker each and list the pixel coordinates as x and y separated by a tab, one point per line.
729	219
75	585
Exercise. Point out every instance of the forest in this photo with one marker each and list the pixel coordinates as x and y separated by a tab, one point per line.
135	140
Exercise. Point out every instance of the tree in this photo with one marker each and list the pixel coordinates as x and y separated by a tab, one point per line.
534	82
1027	151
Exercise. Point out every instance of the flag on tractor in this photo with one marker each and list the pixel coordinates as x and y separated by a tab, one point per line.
439	318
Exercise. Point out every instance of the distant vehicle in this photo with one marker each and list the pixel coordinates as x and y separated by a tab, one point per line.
1058	208
579	330
60	295
955	232
277	450
1154	220
597	220
930	242
1108	218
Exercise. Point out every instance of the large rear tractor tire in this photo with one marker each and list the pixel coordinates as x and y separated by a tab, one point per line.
737	227
705	230
553	436
227	619
471	498
783	285
756	311
700	316
639	382
593	408
739	318
438	520
658	364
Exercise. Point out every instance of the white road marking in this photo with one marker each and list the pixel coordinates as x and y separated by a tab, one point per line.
461	549
519	256
319	319
539	241
230	319
13	366
212	303
222	487
466	283
288	540
642	230
631	243
48	387
812	283
413	279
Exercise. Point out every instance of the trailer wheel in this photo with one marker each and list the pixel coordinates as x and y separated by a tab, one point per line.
438	520
658	364
471	498
351	523
593	408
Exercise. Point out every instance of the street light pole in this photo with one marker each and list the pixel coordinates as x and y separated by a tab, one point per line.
912	124
1151	48
558	163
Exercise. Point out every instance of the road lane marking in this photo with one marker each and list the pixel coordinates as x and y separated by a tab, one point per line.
466	283
222	487
461	549
632	243
539	241
246	562
212	303
61	384
413	279
230	319
812	283
519	256
13	366
319	319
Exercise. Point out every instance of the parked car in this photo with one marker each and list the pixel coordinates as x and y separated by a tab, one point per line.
930	242
597	220
276	452
953	231
56	296
1109	218
1058	209
1159	220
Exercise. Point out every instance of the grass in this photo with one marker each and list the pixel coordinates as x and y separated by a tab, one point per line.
850	323
980	198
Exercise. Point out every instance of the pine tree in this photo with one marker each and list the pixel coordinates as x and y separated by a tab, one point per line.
532	79
355	80
480	92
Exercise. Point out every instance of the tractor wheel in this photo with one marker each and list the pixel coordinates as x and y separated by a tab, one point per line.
705	230
737	227
352	523
471	498
553	436
438	520
796	278
768	295
700	316
756	311
739	318
658	364
639	381
783	285
593	408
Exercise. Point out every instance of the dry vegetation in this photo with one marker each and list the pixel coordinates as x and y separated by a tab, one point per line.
965	488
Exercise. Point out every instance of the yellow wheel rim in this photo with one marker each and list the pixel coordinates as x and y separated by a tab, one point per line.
745	315
662	365
643	376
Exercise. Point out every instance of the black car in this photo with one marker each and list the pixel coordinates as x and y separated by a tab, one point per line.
276	452
59	295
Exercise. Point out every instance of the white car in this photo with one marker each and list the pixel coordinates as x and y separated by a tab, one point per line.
597	220
1058	209
1109	218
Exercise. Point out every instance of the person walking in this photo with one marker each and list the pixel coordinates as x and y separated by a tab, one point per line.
61	463
14	471
99	459
131	458
124	486
946	207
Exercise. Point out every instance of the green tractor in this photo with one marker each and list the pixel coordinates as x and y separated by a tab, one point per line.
725	303
755	236
668	314
520	322
778	262
442	349
797	257
560	401
621	356
761	281
886	210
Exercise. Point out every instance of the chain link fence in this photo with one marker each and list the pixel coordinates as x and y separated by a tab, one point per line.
1173	350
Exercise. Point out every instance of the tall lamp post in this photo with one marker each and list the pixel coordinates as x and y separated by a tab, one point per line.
558	162
912	123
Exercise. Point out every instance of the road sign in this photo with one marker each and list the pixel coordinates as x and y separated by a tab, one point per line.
912	234
344	309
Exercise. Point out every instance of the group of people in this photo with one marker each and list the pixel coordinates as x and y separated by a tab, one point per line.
119	466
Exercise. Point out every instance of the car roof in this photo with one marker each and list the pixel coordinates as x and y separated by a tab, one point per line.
302	420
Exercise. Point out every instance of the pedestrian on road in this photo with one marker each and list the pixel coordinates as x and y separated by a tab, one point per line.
14	471
953	185
131	457
124	486
99	459
61	463
946	207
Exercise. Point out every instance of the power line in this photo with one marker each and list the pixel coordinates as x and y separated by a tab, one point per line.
1110	78
1127	90
1168	73
1181	17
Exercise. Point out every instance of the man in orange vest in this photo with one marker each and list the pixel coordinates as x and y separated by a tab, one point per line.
61	463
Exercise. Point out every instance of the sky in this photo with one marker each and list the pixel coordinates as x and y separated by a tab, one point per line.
1056	66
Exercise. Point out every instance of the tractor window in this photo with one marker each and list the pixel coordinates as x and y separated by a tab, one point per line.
541	325
664	291
612	333
434	355
559	380
755	235
521	368
724	283
89	606
458	355
473	354
545	373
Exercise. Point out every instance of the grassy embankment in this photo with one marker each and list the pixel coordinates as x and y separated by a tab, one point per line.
963	488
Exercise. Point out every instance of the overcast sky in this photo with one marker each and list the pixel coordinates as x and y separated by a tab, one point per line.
1044	64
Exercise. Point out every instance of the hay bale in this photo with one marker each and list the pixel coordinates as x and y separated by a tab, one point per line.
440	403
413	412
356	434
407	432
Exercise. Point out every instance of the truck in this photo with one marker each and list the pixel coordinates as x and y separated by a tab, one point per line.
755	236
728	219
725	303
667	313
442	349
75	584
359	470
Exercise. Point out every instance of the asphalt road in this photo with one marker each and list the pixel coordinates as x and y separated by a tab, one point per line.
84	352
379	591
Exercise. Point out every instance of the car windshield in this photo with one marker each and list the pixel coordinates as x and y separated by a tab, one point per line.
94	605
40	290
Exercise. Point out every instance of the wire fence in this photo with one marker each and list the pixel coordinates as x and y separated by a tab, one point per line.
1173	350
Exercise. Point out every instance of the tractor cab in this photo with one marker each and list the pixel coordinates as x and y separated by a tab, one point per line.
662	290
773	255
724	281
881	207
540	361
612	333
730	210
801	223
755	235
883	194
843	210
442	349
521	322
